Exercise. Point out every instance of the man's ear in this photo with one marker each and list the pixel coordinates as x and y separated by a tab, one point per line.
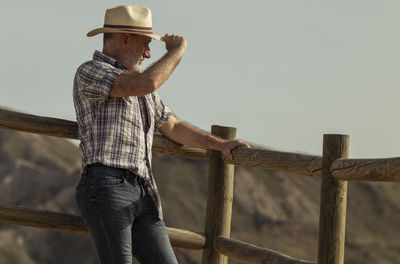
124	39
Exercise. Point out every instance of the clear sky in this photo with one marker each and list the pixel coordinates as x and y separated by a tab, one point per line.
283	72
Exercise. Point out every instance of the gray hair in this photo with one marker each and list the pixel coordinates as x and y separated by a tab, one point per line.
108	39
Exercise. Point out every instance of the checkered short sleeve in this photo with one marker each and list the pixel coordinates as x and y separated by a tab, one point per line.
162	112
97	80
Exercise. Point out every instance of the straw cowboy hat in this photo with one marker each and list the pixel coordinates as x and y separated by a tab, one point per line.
127	19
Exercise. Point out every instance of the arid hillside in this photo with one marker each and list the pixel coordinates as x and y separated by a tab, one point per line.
270	209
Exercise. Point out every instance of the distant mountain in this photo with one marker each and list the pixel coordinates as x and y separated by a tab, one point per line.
270	209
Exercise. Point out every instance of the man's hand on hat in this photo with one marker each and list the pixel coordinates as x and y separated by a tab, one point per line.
229	145
173	42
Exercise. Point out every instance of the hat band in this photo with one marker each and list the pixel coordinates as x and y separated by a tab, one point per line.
148	30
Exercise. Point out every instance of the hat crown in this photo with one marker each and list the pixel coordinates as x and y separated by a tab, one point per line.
137	16
127	19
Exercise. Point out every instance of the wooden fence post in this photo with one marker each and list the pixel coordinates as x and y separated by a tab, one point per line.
332	221
219	202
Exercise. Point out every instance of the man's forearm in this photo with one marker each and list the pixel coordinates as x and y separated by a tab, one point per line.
187	134
162	69
159	72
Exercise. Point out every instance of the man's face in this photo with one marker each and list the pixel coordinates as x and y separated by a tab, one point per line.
137	49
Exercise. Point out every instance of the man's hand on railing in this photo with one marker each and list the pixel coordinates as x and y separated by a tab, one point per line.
229	145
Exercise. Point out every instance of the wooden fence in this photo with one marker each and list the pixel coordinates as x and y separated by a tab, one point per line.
333	167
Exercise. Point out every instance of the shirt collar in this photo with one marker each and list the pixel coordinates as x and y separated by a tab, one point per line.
100	56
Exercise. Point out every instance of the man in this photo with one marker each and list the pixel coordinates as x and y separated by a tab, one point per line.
118	111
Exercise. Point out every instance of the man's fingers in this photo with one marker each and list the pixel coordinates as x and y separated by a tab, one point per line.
230	146
241	144
245	145
229	155
174	42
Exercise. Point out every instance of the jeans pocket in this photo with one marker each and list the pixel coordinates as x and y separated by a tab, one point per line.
109	180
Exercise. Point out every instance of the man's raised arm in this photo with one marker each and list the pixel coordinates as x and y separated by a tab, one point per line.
134	83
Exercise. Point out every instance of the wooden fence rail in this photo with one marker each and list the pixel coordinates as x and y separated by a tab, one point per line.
333	167
17	215
366	169
252	254
308	165
38	124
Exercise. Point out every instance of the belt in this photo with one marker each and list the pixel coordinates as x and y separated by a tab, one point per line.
101	166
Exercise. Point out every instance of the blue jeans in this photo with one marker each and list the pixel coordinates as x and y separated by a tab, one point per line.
122	218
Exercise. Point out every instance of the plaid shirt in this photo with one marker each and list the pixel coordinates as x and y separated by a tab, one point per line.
116	132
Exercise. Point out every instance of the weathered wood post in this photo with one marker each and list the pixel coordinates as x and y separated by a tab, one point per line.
220	197
332	221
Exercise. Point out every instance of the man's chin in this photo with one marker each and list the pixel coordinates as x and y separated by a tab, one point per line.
136	68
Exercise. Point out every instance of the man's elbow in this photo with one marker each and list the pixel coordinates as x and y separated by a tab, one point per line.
147	86
143	83
152	86
134	87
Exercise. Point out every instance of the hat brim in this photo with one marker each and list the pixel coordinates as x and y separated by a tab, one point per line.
97	31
